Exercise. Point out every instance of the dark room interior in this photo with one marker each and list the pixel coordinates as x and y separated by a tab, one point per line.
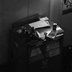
14	12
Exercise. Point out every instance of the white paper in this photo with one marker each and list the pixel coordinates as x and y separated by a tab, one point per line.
44	18
39	24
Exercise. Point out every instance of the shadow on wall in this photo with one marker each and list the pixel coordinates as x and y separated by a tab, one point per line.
67	37
67	34
39	6
13	10
66	23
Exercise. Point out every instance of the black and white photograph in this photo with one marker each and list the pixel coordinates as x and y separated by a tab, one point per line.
35	35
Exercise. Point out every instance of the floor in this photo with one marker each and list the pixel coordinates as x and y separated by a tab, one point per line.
65	63
6	68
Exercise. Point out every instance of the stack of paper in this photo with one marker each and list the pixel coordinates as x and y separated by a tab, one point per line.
39	24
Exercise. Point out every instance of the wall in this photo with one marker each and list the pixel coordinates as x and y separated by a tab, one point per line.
1	55
55	10
14	10
66	24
